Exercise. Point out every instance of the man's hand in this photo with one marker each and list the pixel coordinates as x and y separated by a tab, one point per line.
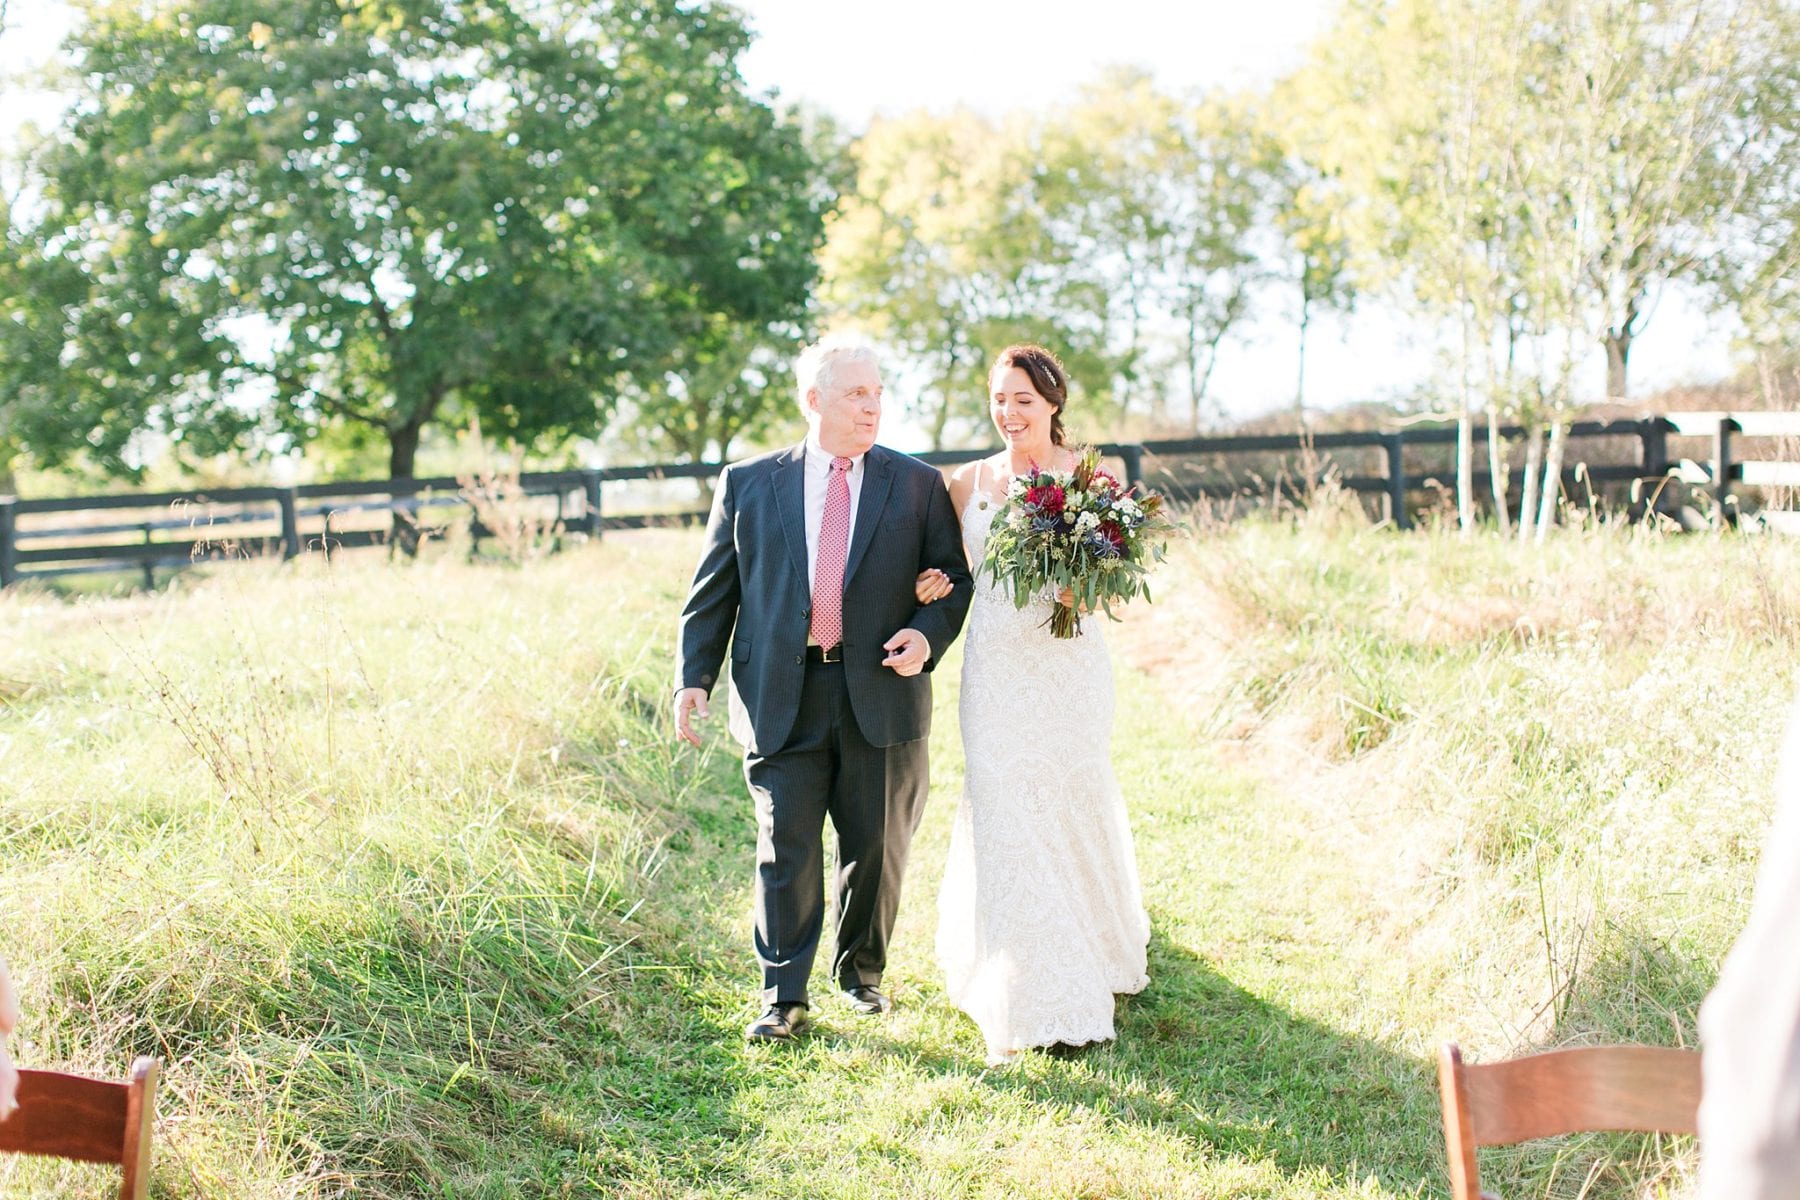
908	651
689	701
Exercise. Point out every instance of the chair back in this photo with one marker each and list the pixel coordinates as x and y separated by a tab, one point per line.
1645	1089
91	1120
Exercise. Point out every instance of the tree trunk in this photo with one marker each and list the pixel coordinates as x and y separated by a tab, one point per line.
1465	431
940	420
1200	380
1212	361
403	450
1553	468
1618	357
1528	487
947	391
1499	477
1465	471
1300	376
1193	370
1131	355
403	453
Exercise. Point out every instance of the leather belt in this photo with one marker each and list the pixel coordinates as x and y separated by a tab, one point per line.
818	654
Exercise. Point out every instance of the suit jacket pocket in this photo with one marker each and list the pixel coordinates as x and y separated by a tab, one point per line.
740	651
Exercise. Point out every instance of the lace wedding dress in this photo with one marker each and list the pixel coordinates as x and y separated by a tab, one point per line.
1040	918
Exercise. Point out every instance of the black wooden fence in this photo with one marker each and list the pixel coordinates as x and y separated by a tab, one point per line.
173	529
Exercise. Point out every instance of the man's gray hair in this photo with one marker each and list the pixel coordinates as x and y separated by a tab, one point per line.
818	363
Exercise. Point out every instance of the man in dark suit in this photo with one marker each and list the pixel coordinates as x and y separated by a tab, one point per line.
808	573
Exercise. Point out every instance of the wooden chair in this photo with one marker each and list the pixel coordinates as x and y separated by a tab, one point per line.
93	1120
1643	1089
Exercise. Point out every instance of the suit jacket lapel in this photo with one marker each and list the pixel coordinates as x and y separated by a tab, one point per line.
789	482
879	477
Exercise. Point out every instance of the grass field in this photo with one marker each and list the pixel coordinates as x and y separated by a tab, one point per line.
397	870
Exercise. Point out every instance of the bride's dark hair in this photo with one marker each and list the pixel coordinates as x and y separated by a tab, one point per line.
1047	376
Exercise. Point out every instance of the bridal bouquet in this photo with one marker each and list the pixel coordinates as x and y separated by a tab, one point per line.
1082	530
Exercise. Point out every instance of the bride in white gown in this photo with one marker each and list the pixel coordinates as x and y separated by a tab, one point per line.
1041	918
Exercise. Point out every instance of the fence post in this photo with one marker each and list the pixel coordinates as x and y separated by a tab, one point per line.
149	565
9	563
1654	434
290	522
1722	469
1394	444
590	490
1134	465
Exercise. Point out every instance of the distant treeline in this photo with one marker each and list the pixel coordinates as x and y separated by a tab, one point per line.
343	227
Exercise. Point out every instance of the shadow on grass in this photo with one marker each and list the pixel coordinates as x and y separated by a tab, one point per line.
1216	1071
1237	1075
1253	1079
1210	1070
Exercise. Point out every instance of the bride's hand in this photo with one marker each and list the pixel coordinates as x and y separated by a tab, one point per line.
931	586
1066	598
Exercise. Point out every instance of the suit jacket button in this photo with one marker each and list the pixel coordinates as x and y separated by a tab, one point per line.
799	660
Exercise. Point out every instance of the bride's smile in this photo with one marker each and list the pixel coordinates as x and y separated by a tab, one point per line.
1021	415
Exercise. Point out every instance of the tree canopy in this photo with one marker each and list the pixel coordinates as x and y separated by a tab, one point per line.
382	212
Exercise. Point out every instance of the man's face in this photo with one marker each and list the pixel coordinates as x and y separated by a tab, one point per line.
847	413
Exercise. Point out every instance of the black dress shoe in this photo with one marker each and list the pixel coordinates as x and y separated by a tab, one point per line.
867	999
780	1022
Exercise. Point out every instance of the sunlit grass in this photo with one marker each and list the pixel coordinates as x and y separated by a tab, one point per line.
396	869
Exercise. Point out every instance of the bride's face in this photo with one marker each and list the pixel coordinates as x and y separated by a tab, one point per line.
1020	414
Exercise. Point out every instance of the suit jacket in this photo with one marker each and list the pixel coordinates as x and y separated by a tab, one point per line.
750	590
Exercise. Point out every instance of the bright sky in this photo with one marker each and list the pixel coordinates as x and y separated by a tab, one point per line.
856	59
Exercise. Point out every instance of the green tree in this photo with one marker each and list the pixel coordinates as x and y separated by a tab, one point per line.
392	213
1754	266
727	379
1309	211
940	251
727	382
1156	204
1120	229
1535	172
86	363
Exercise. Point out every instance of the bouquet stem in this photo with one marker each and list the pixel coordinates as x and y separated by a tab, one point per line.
1065	622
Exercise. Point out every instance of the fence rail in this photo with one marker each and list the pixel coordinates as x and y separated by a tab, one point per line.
292	521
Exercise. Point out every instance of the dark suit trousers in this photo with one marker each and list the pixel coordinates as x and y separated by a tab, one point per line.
874	796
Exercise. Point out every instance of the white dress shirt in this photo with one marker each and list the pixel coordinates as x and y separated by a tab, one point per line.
818	475
1750	1025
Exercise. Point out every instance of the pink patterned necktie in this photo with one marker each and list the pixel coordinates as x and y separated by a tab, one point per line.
828	568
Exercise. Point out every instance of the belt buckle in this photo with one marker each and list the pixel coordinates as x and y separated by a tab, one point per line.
833	655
